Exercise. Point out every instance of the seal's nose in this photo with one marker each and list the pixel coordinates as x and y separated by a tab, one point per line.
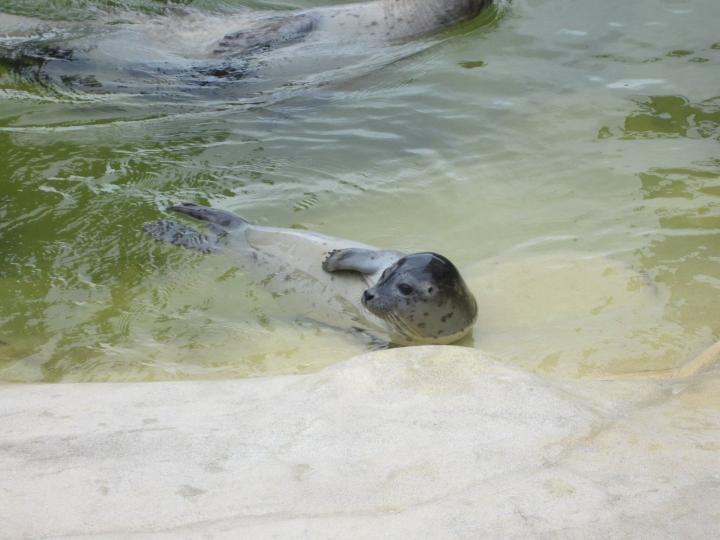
367	296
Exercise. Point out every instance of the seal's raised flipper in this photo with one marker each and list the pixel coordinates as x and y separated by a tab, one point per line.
178	234
225	219
365	261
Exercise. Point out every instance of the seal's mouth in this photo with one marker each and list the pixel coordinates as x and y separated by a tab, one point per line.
373	305
405	332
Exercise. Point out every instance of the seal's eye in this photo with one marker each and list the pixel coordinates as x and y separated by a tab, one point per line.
405	289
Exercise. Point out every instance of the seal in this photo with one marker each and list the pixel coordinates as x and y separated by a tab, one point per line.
404	299
199	52
379	21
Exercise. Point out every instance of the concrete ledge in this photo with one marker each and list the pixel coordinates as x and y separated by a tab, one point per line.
431	442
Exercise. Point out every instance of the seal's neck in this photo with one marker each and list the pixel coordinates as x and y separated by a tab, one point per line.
409	17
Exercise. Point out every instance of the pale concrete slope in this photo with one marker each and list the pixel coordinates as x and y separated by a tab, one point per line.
422	442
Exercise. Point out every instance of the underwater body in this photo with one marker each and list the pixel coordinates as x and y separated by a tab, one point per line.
238	53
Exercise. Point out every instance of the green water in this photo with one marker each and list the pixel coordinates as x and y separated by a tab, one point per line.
563	153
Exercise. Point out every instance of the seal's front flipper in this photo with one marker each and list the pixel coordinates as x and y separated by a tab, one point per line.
223	218
178	234
365	261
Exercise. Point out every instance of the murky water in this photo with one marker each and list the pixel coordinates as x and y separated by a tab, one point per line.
563	153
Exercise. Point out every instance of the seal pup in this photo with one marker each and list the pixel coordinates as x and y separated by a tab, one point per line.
404	299
378	21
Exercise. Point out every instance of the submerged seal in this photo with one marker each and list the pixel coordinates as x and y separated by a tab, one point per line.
405	299
379	20
203	52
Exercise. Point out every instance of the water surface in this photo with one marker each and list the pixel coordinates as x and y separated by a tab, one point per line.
563	153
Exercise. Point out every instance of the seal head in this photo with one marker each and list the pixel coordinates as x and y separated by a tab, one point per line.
424	298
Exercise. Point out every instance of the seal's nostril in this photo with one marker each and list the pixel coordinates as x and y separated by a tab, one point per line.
367	296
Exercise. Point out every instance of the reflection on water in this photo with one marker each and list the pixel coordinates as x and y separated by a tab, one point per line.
575	183
672	116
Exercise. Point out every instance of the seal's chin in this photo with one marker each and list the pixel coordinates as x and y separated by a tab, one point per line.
404	334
